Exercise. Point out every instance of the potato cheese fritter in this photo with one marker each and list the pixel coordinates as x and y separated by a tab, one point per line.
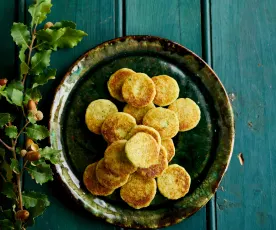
142	150
96	113
139	191
138	90
116	161
167	90
91	183
163	120
187	112
169	146
138	113
116	82
107	178
157	169
174	183
117	126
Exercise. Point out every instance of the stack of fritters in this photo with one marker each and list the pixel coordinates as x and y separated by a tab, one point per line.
140	144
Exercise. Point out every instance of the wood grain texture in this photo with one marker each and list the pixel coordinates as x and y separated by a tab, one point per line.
97	18
244	57
180	21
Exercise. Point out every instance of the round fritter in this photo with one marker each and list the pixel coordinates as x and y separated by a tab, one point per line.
163	120
188	113
138	90
117	126
167	90
116	161
139	191
145	129
116	82
142	150
138	113
96	113
156	170
108	179
91	183
169	146
174	182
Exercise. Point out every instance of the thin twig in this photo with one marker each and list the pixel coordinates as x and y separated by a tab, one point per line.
4	179
28	122
7	146
38	45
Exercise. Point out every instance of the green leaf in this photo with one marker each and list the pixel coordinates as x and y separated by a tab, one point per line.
41	173
20	34
44	77
6	214
63	24
17	97
31	198
39	11
4	119
33	94
13	93
37	132
24	68
6	224
51	154
15	166
7	169
8	191
61	38
36	203
40	61
11	131
31	118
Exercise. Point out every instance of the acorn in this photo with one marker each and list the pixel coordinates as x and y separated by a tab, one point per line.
23	152
39	115
22	215
48	25
32	156
3	81
31	106
29	142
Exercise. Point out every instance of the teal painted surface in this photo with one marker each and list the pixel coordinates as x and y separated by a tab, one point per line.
244	57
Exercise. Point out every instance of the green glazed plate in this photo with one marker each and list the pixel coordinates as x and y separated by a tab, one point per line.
204	152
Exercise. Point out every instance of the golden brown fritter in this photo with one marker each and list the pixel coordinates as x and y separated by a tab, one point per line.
163	120
91	183
169	146
167	90
138	113
117	126
187	112
145	129
139	191
116	161
138	90
108	179
157	169
96	113
174	182
116	82
142	150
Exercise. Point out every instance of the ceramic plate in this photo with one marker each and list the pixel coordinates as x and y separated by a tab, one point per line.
204	151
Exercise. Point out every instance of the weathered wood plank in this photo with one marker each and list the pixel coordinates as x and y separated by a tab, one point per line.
180	21
244	57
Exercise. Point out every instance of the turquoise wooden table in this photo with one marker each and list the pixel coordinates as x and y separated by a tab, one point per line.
237	38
